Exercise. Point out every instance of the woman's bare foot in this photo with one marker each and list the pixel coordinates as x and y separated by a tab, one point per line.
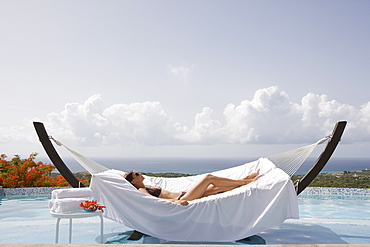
253	175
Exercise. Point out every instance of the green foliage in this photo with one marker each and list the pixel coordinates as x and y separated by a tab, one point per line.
167	174
343	180
87	176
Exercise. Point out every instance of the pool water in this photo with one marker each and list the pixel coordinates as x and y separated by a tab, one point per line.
334	207
326	217
24	208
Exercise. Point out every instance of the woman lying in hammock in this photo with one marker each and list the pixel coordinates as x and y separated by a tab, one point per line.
209	185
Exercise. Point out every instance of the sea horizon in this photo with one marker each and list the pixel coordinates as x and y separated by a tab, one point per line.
200	165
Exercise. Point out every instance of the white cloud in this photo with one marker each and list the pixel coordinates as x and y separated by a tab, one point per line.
269	118
20	134
181	72
92	124
205	129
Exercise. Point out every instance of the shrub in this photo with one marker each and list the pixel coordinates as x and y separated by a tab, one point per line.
18	173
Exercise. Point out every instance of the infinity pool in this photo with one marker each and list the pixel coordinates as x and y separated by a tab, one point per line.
324	208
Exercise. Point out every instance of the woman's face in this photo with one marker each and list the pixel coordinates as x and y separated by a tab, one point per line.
136	177
132	175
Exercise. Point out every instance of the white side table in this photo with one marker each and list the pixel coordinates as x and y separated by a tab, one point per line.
71	216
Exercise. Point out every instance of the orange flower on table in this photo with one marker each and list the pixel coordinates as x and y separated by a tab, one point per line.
92	206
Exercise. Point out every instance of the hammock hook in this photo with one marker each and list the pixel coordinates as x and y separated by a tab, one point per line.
56	142
328	137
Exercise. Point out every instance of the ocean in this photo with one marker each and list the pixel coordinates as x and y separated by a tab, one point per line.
207	165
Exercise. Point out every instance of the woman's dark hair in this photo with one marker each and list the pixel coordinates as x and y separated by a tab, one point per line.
129	176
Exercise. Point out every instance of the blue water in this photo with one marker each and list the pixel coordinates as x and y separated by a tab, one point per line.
334	207
21	208
324	220
205	165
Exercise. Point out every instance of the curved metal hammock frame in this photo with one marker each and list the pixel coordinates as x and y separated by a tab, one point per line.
284	160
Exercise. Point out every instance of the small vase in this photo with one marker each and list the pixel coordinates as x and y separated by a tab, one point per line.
89	211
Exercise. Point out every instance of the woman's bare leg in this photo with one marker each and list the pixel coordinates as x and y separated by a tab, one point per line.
212	190
200	189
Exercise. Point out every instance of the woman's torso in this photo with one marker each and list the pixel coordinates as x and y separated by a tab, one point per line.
169	195
165	194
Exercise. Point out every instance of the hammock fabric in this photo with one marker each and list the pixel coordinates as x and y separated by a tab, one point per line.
228	216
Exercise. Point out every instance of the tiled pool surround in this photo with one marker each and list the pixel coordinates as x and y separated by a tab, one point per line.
307	191
27	191
336	191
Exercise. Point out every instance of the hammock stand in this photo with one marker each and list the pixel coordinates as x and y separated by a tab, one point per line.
300	185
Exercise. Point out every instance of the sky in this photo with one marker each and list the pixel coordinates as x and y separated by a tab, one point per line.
184	78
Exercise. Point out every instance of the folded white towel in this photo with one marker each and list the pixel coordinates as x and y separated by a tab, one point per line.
71	193
67	204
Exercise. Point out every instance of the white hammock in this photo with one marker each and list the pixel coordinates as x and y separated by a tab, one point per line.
228	216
